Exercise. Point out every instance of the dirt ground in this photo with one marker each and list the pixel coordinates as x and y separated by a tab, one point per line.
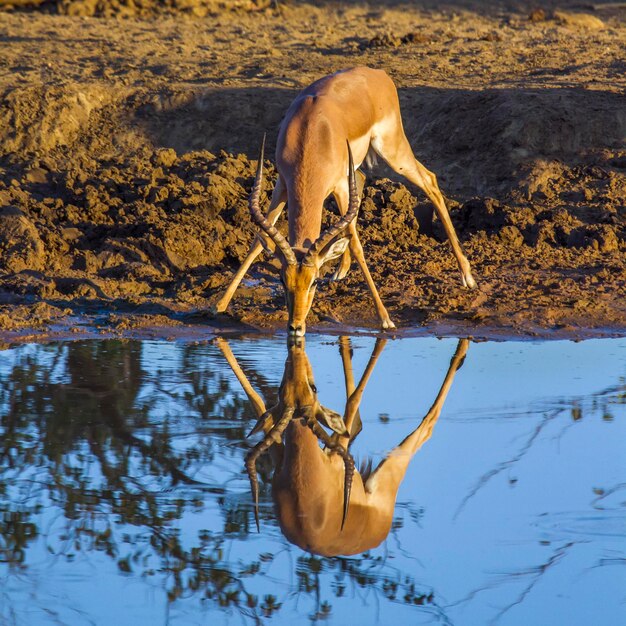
128	135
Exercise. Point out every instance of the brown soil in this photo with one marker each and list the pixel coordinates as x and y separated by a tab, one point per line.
124	166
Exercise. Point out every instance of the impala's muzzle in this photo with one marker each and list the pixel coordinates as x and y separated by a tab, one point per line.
297	330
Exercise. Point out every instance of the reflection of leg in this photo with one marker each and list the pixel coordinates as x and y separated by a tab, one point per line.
354	400
383	483
279	198
352	420
346	259
345	350
405	451
253	396
424	431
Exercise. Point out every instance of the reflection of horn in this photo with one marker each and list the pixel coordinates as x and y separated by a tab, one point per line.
290	396
273	436
348	462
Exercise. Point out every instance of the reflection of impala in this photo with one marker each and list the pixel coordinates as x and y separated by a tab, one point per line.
319	507
360	106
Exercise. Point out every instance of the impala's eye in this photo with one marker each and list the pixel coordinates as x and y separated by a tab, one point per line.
315	281
313	387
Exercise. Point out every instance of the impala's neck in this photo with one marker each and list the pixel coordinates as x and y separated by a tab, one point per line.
308	490
310	156
295	388
305	221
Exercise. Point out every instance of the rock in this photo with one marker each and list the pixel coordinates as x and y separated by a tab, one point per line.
606	238
483	214
37	175
511	236
600	237
85	261
165	157
21	247
71	234
579	20
537	15
385	40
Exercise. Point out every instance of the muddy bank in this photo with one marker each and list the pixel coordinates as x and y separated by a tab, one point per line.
124	170
162	233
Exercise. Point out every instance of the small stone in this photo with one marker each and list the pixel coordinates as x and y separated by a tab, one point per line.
199	11
511	236
37	175
492	36
537	15
71	234
165	157
579	20
606	238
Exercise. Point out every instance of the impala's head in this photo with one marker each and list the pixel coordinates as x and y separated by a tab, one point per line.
298	390
298	403
300	268
300	279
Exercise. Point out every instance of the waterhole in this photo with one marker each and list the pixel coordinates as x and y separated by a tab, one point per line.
489	485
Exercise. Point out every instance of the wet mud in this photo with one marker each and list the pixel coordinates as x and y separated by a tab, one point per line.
127	153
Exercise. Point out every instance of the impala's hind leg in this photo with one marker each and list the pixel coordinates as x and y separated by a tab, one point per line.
398	154
346	259
279	199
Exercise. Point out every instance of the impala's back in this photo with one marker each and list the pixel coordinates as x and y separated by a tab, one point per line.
311	151
308	495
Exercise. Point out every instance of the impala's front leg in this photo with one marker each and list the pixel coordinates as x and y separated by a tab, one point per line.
279	199
341	195
346	260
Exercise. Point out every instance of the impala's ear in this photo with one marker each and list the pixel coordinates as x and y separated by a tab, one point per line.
332	420
334	250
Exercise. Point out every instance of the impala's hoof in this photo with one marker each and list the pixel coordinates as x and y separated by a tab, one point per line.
469	282
215	310
388	325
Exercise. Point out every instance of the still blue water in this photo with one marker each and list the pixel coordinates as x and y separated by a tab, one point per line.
124	497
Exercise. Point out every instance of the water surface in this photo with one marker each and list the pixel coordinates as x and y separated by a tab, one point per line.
124	498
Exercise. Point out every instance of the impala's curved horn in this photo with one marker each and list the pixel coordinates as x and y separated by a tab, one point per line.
353	208
274	436
257	215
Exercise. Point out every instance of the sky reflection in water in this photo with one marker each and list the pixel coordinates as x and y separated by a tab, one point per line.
123	495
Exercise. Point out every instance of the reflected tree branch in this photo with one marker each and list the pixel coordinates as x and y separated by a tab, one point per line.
485	478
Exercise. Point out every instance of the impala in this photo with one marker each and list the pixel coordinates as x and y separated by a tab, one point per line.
317	507
360	106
